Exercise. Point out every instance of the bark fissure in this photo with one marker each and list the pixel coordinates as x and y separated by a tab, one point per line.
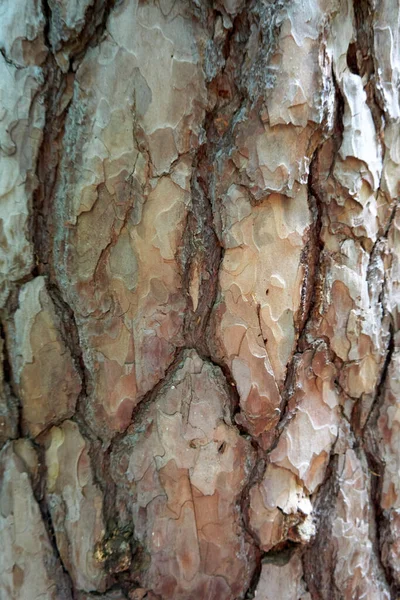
312	292
49	526
11	421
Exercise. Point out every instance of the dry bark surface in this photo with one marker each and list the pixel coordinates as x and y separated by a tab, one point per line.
199	299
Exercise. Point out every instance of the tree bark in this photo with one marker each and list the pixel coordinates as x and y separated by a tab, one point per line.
199	291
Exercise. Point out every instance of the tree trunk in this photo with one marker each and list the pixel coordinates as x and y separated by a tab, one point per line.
200	299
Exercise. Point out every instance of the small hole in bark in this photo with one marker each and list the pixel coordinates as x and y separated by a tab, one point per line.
352	59
221	448
267	292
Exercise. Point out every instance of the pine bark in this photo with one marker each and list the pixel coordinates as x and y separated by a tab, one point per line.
199	299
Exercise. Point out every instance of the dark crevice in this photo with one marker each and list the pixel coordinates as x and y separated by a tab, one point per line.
58	94
202	247
57	98
379	521
320	546
374	476
376	466
7	369
202	252
391	219
369	434
125	579
312	292
70	334
377	271
316	192
256	475
251	590
149	397
231	389
352	60
47	19
360	56
8	60
313	252
319	557
206	250
114	589
77	42
312	297
64	585
379	247
117	564
380	387
313	260
309	299
98	14
260	76
12	422
282	553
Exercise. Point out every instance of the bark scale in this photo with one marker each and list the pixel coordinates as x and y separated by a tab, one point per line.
199	289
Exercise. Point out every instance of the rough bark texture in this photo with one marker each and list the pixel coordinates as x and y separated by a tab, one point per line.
199	295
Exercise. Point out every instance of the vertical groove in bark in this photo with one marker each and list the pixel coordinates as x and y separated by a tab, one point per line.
376	464
49	526
204	254
10	406
319	554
